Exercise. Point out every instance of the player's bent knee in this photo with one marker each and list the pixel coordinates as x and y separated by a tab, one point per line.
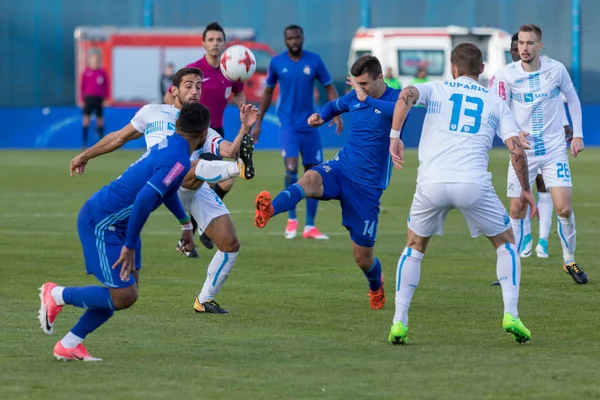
564	211
125	297
517	209
503	238
230	245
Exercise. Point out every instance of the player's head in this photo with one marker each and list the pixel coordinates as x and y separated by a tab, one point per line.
187	86
467	60
514	47
530	43
213	39
193	123
367	72
294	39
94	60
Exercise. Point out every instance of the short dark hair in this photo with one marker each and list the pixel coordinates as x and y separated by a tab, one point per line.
468	59
213	26
532	28
183	72
293	27
515	37
194	119
366	64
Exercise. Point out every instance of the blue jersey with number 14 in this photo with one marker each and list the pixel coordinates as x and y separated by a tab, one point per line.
365	157
461	121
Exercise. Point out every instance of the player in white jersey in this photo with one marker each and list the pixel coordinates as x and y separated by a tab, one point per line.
156	122
532	87
544	198
461	121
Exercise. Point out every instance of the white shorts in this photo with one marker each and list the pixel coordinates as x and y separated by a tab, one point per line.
554	168
484	212
203	204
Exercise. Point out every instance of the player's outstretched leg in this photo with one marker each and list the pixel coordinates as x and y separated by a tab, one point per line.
285	201
408	274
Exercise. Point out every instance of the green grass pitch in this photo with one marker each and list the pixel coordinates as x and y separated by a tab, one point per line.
300	326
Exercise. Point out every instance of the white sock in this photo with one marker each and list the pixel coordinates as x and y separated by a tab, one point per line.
567	234
517	226
216	171
407	280
218	270
71	341
57	295
526	224
508	270
545	206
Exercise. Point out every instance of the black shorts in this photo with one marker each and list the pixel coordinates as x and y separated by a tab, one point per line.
211	156
92	104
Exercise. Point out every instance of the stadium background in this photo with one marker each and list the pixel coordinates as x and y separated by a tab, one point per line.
38	59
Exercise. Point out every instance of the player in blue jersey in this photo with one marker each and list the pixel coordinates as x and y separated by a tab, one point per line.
296	71
109	227
357	175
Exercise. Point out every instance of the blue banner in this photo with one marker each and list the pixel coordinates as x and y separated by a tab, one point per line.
60	128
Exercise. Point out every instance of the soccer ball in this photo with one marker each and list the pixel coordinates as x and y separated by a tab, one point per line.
238	63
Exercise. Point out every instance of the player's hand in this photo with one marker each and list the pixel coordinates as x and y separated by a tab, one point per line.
577	146
524	141
127	262
568	133
527	197
78	165
248	115
256	133
315	120
339	124
397	152
360	93
187	241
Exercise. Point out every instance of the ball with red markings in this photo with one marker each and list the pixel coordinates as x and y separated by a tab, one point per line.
238	63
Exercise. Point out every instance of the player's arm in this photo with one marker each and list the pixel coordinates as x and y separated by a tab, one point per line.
239	98
107	144
565	123
248	116
566	87
161	186
326	80
331	110
266	99
387	108
409	96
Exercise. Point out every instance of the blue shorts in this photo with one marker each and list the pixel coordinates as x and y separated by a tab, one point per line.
360	204
102	244
307	143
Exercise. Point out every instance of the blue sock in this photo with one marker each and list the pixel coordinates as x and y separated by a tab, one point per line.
374	275
89	297
290	179
311	211
90	321
287	199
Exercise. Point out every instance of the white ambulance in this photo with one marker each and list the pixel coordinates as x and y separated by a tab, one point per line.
405	50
